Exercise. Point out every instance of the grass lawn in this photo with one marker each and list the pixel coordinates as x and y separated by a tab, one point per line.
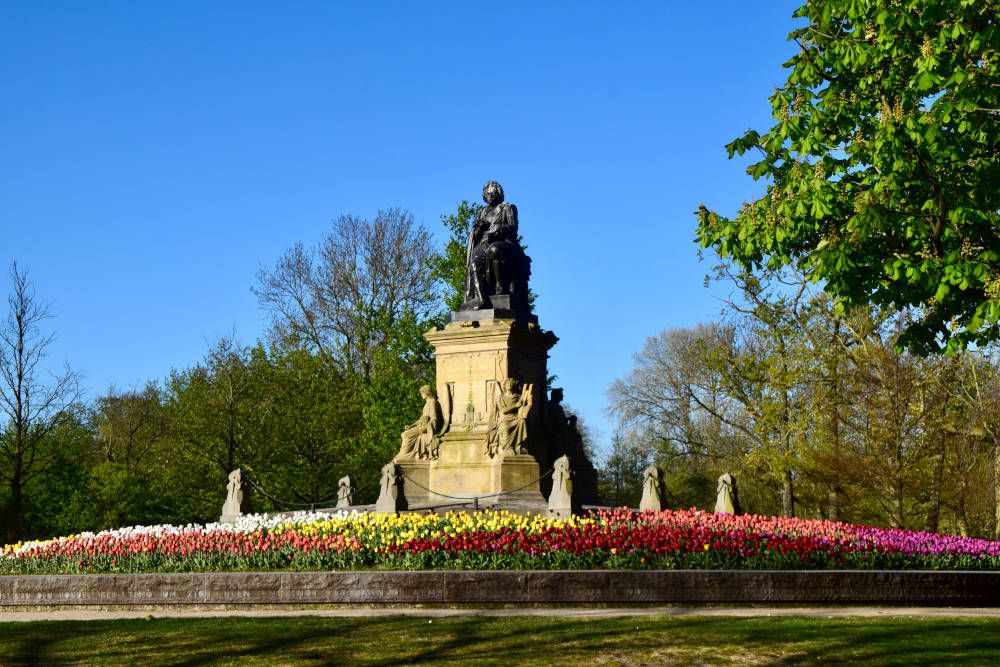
516	640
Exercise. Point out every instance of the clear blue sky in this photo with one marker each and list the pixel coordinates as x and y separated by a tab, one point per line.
154	155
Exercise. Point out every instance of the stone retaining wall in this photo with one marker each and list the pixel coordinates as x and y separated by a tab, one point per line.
507	587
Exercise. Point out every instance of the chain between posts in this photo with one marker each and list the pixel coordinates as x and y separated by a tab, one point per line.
312	506
289	503
475	499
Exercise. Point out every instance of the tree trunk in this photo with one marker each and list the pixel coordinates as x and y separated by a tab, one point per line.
833	423
787	495
785	434
996	485
934	502
12	529
962	520
833	503
896	520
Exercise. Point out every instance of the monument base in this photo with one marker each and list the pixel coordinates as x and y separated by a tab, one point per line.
491	377
416	481
512	481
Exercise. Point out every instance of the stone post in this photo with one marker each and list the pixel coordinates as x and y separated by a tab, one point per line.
652	490
237	499
345	493
561	497
390	497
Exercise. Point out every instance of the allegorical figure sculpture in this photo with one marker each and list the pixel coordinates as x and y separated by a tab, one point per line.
495	262
509	419
420	439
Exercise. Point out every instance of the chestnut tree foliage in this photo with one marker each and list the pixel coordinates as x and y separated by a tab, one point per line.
883	165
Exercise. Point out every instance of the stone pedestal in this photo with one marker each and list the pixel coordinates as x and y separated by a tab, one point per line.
474	358
513	478
416	474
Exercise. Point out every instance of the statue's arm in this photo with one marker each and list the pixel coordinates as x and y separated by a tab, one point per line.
470	245
510	222
512	215
474	234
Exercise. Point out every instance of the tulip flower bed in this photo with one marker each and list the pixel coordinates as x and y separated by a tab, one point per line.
612	539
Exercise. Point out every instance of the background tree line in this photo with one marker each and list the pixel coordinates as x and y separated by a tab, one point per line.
818	414
324	394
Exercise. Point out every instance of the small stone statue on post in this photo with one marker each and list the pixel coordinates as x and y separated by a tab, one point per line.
345	493
652	490
726	500
390	496
237	500
561	497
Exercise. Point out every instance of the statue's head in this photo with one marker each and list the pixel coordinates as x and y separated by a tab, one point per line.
426	391
509	385
492	193
557	395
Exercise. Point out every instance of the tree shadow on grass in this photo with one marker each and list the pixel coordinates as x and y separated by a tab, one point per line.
381	641
715	640
882	641
483	640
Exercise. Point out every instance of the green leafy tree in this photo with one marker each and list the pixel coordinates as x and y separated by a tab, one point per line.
116	496
311	422
621	473
361	300
54	494
216	424
883	165
448	266
981	396
130	424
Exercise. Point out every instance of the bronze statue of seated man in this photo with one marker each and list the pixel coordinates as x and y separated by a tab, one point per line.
496	263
